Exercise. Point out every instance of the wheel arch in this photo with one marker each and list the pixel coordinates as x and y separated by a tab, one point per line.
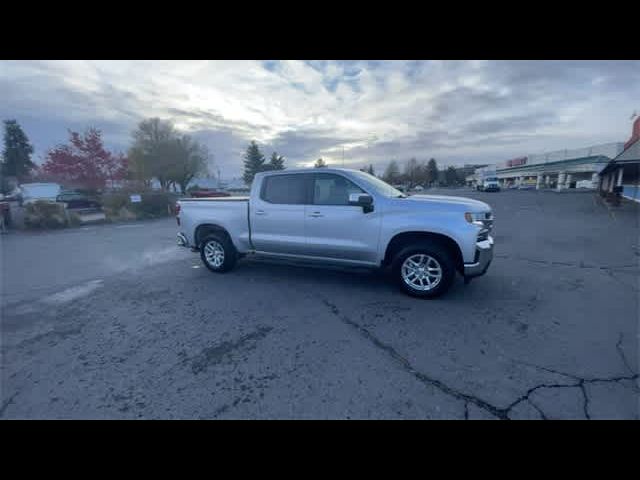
404	239
205	229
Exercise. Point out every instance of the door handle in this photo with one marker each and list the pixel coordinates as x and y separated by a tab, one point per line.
260	212
316	215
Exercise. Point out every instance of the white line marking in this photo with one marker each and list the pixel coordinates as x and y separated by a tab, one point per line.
73	293
129	226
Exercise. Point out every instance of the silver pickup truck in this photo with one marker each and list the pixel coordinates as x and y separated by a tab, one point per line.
343	216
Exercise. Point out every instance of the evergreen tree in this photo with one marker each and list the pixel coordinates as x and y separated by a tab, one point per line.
451	176
276	162
17	151
253	162
432	171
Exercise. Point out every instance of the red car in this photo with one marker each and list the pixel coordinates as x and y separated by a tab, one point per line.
209	194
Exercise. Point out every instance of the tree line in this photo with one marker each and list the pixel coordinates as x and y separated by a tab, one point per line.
160	151
414	173
422	173
157	151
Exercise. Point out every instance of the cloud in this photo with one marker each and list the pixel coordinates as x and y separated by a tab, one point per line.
454	111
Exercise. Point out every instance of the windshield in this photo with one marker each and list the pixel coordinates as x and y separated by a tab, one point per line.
379	186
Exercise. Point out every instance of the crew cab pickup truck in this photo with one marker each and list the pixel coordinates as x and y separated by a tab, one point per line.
343	216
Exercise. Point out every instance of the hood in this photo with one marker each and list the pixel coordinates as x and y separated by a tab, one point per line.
457	203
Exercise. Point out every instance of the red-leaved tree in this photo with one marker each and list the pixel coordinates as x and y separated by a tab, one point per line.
84	162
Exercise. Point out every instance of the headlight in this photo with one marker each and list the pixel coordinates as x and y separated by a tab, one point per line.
482	220
475	218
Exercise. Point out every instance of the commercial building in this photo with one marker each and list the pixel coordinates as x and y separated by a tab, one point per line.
622	174
467	171
559	169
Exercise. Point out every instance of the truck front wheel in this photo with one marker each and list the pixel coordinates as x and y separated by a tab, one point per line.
218	253
424	270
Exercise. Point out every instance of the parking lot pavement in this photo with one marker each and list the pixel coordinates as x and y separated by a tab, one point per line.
142	330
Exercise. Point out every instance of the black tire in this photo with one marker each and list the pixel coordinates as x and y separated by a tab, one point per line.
230	254
440	254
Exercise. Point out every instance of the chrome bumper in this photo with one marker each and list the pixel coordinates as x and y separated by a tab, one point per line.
484	255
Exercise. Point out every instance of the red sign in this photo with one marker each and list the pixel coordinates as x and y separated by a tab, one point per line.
635	133
516	162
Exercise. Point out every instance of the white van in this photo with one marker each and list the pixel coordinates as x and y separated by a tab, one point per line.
31	192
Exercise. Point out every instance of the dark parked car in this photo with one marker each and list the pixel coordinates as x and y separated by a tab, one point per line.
209	194
78	201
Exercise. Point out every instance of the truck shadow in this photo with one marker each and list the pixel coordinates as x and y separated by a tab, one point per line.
299	271
357	279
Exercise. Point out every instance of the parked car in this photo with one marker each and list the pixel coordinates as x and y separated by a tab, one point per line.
586	184
344	217
5	214
209	194
78	202
489	184
32	192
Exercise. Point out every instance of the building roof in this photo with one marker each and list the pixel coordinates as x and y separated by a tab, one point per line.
537	167
631	154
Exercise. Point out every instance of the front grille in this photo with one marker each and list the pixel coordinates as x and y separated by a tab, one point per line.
487	221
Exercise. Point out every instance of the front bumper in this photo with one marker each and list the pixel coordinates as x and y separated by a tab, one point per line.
484	256
182	240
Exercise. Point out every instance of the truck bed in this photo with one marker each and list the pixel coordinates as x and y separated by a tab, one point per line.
215	199
229	213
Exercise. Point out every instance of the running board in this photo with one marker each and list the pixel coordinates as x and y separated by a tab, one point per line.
291	256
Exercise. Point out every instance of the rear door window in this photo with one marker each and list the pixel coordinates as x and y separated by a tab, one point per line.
285	189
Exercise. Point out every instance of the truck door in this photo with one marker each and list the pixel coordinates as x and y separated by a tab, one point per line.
336	229
277	215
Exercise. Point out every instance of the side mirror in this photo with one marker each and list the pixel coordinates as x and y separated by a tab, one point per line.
362	200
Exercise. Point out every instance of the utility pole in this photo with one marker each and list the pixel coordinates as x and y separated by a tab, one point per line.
343	155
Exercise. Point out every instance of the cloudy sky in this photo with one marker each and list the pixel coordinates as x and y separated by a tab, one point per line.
455	111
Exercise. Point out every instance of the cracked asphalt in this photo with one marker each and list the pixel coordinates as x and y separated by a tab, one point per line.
115	321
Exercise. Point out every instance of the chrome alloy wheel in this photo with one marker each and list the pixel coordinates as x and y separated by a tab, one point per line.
214	253
421	272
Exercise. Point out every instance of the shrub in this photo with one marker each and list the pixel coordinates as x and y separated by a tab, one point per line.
113	202
118	206
74	219
41	214
156	204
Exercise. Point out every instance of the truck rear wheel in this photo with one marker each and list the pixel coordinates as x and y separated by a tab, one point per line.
424	270
218	253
